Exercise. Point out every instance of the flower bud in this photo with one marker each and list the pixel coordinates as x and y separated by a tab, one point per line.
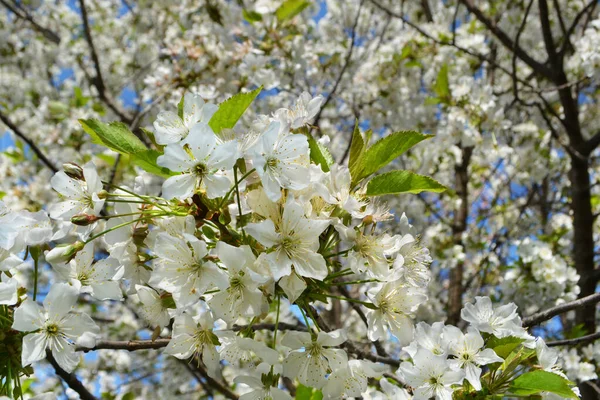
63	254
83	219
73	171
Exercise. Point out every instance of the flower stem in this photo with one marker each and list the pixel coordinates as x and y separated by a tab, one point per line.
276	322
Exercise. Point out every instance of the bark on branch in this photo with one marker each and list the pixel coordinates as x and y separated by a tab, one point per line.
42	157
70	379
540	317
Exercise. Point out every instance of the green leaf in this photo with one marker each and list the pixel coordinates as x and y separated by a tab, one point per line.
251	16
180	107
357	148
290	8
441	87
147	161
432	101
308	393
385	151
542	381
231	110
116	136
503	347
402	182
319	154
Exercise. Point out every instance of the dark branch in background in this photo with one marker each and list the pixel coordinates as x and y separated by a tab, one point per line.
459	227
540	317
572	342
70	379
514	58
542	69
98	80
427	10
21	13
589	7
196	364
129	345
198	377
133	345
342	71
30	143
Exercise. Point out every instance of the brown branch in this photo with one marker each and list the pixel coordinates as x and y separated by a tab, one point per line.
21	13
503	37
98	80
540	317
70	379
590	6
129	345
572	342
29	142
196	364
343	70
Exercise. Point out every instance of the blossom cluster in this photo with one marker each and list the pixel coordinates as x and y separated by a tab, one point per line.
244	225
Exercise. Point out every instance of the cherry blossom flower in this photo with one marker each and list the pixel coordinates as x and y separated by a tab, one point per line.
430	375
313	358
195	336
180	268
202	163
469	356
172	129
280	160
56	327
295	244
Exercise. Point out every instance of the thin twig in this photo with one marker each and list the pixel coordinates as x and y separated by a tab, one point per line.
29	142
70	379
572	342
540	317
20	12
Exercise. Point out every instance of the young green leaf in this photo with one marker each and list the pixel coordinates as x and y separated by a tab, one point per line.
319	154
441	87
402	182
116	136
231	110
357	147
290	8
251	16
385	151
147	161
503	347
542	381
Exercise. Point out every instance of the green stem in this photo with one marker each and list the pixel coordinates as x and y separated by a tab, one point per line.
313	318
226	197
276	322
337	254
349	299
35	272
305	319
346	271
239	203
115	228
353	282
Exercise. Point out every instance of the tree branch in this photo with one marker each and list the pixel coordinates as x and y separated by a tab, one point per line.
21	13
29	142
507	41
98	80
572	342
129	345
70	379
540	317
592	4
344	67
